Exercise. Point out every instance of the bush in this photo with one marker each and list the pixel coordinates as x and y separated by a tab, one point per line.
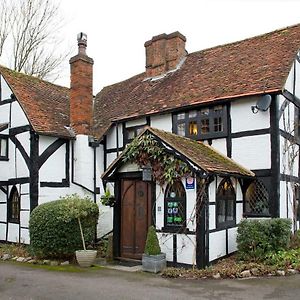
152	245
54	229
256	238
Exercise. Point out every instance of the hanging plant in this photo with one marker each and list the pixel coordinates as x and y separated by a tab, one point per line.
146	151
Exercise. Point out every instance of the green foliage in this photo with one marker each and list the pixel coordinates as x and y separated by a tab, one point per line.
152	245
107	199
256	238
54	229
284	259
145	150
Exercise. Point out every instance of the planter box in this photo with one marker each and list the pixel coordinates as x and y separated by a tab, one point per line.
154	263
85	258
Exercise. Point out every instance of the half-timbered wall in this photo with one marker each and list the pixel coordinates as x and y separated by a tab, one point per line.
289	107
43	168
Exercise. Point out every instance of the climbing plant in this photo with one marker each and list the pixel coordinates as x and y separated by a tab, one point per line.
146	151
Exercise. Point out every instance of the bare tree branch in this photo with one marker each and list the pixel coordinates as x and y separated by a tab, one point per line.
34	36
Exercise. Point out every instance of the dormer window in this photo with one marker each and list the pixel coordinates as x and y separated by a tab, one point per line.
202	124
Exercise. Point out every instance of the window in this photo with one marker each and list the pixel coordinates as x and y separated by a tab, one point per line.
175	206
3	148
131	132
257	199
225	204
202	124
14	206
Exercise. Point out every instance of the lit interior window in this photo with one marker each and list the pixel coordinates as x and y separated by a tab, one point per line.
193	130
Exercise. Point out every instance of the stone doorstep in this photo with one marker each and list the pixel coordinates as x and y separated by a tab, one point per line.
123	268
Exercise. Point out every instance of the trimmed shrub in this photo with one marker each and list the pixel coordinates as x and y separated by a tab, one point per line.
54	229
257	238
152	244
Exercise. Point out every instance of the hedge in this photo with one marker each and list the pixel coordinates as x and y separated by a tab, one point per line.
257	238
54	229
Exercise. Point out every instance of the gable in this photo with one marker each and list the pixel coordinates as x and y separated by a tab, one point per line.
46	105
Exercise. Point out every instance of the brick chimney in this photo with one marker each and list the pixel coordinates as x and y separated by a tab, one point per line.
164	52
81	92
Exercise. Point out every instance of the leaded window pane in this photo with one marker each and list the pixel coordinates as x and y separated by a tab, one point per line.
257	199
225	203
205	126
181	129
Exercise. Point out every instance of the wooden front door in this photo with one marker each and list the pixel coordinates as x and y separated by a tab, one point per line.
135	217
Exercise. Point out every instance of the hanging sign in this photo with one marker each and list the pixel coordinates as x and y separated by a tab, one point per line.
190	183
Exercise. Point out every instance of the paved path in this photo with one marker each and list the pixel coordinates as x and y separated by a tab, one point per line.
22	282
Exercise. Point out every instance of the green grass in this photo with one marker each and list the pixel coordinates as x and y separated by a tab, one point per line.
68	268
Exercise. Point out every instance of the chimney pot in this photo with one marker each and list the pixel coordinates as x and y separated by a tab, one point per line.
82	42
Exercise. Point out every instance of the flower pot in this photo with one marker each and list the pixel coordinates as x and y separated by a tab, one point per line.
85	258
154	263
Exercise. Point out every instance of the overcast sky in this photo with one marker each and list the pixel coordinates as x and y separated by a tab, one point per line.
118	29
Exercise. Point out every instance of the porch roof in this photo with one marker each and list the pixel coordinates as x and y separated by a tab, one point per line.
198	155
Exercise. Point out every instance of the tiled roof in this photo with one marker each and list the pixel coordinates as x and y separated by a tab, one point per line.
253	66
45	104
203	156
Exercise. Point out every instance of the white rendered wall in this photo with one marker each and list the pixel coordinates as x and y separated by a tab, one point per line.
186	249
18	117
252	152
110	157
232	244
217	244
242	117
5	89
4	113
3	232
83	162
220	145
13	233
111	137
163	122
21	169
53	169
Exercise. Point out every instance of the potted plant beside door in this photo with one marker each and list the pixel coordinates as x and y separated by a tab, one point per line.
153	260
80	209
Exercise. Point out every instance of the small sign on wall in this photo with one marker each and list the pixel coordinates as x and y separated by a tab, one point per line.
190	183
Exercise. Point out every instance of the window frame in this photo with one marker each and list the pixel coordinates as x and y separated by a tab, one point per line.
175	227
255	214
10	218
226	223
127	140
4	138
212	114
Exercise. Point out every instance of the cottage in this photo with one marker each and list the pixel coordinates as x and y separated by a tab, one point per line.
225	119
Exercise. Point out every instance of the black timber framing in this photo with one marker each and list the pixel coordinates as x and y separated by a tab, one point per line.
34	170
275	159
229	135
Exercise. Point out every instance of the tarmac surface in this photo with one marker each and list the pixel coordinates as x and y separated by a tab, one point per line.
27	283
